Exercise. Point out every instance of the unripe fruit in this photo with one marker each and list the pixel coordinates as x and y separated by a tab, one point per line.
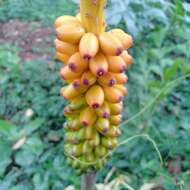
89	132
62	57
76	165
69	112
116	109
100	164
107	80
88	46
68	92
77	64
110	45
103	111
121	78
88	79
102	125
86	149
98	65
65	20
116	64
76	150
95	141
127	58
101	151
78	102
90	158
74	124
115	119
71	138
113	132
65	48
87	116
109	143
70	33
81	134
67	74
95	97
123	37
113	95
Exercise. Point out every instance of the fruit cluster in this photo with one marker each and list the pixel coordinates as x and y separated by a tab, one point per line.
94	74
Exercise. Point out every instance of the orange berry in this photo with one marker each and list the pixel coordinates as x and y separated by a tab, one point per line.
115	119
87	116
62	57
120	78
127	58
71	33
98	65
88	78
113	95
67	74
77	64
123	37
107	80
116	64
95	96
64	47
88	45
64	20
109	44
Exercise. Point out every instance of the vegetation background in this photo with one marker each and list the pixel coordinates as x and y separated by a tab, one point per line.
31	111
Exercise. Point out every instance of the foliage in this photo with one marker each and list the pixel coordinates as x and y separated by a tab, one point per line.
161	52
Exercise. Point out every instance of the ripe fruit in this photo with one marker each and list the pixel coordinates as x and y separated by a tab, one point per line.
65	48
116	109
70	33
127	58
88	46
103	111
113	95
88	79
122	89
123	37
107	80
65	20
77	64
95	97
69	92
116	64
121	78
115	119
87	116
109	44
67	74
62	57
98	65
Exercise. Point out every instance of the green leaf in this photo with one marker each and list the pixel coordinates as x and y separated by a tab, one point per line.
34	125
5	152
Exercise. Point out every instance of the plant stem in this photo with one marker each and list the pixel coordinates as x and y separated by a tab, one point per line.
88	181
92	15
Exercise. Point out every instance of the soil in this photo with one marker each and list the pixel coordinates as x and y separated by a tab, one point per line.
33	40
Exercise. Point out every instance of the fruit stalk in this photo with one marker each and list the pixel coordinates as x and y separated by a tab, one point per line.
92	15
88	181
